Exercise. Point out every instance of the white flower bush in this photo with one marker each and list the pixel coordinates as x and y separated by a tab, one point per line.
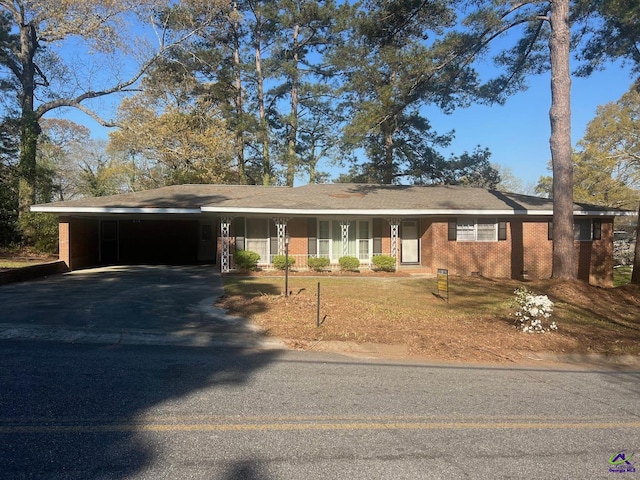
533	312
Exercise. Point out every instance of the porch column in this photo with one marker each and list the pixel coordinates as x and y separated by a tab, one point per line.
281	226
344	227
395	224
225	228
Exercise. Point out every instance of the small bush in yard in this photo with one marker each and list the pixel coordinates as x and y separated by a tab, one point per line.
349	263
384	263
533	312
318	263
280	261
246	259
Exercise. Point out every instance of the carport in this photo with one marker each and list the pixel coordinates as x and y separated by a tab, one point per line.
162	226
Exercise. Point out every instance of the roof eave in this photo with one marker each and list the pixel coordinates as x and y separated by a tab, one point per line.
125	210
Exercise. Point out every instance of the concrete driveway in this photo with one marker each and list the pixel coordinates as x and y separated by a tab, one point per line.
126	304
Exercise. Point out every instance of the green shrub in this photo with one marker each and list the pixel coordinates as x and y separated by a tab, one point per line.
349	263
384	263
280	261
40	230
246	259
318	263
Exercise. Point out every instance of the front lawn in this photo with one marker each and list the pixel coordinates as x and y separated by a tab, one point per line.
474	324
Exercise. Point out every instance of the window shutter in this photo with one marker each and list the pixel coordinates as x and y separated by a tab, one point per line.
377	236
550	231
453	229
273	247
312	234
597	230
238	226
502	230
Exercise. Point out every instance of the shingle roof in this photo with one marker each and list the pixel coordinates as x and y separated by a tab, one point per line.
319	199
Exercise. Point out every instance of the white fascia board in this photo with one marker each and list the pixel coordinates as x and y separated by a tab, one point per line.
136	210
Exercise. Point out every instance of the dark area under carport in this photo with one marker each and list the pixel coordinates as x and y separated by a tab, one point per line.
158	242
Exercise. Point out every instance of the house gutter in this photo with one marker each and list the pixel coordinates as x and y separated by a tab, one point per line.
130	210
405	212
307	212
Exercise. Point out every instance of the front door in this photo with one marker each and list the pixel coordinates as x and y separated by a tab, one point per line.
410	250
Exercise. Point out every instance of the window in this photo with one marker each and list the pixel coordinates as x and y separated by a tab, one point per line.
330	241
257	238
584	229
475	230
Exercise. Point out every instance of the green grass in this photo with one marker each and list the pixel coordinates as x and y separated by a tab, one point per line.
15	263
622	275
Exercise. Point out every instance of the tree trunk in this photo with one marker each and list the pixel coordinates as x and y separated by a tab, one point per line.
264	128
387	173
29	121
635	276
239	140
560	142
293	123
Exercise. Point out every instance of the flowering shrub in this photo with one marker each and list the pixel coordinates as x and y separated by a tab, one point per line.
533	312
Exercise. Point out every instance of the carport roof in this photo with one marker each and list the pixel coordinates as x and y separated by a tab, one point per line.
325	199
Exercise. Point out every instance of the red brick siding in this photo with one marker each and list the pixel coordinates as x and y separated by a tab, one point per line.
527	249
600	258
64	253
426	244
298	235
78	242
490	259
537	247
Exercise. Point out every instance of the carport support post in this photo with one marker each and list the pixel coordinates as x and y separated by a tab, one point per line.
394	223
281	227
225	228
344	228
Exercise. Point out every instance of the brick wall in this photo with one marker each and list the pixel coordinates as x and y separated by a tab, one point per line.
537	256
78	242
298	241
526	253
490	259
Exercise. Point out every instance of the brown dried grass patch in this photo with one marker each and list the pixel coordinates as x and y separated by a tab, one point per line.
473	326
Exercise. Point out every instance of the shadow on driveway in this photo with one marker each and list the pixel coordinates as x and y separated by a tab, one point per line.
73	410
125	304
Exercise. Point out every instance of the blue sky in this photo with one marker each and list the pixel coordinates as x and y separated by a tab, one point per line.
517	133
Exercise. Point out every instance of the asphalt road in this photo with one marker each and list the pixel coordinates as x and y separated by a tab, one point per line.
158	412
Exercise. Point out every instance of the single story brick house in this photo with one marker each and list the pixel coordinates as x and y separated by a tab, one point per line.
463	229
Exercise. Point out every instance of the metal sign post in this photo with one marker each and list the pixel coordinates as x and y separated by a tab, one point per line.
443	283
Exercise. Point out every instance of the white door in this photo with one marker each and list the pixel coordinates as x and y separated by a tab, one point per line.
410	250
